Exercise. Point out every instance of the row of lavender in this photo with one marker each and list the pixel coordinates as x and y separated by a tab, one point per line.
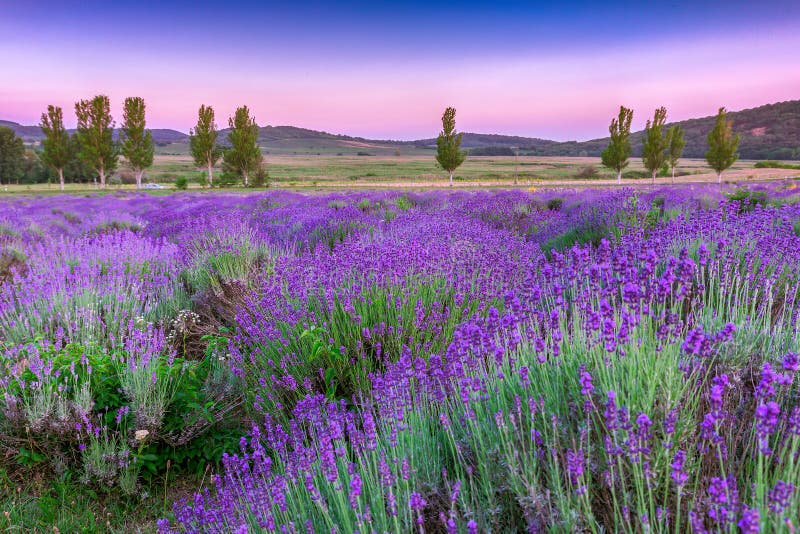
419	360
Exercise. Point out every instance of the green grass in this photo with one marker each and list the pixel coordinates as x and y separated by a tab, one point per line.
417	167
31	502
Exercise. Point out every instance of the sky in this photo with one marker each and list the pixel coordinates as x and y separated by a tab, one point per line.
387	70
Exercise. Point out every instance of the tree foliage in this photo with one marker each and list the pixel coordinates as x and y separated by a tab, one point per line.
654	152
244	157
675	144
616	154
56	151
448	145
95	134
722	145
12	156
136	141
203	142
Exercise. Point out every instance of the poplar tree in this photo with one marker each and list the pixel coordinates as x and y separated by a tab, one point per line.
448	145
654	153
203	141
722	145
675	144
95	134
137	143
12	156
56	150
244	156
616	154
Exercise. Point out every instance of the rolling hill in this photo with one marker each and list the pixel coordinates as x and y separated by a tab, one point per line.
767	132
33	134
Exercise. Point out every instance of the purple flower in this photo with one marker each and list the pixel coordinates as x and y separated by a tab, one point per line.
765	388
587	388
766	421
750	522
523	377
780	497
355	490
723	500
679	475
416	502
791	362
575	466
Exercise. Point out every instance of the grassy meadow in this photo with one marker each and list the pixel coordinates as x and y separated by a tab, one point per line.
418	169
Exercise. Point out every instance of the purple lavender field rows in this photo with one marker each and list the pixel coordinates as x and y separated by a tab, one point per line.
572	361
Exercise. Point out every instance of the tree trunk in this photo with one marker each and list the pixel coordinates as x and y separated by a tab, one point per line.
102	178
61	177
139	178
719	177
653	177
210	176
244	175
619	177
673	175
451	177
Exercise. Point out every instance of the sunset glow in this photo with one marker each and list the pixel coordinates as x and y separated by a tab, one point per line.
388	72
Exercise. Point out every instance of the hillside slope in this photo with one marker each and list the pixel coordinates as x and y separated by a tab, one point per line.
32	134
767	132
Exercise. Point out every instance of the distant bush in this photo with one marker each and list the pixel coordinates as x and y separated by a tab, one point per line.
226	179
403	203
554	204
114	226
589	232
589	171
635	174
68	215
491	151
181	182
260	178
12	262
771	164
363	154
748	200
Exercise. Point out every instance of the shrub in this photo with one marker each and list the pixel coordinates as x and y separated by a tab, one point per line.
363	333
771	164
587	172
181	183
747	199
116	415
12	263
260	178
589	232
403	203
554	204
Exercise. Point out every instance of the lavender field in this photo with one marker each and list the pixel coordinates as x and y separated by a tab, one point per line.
509	361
